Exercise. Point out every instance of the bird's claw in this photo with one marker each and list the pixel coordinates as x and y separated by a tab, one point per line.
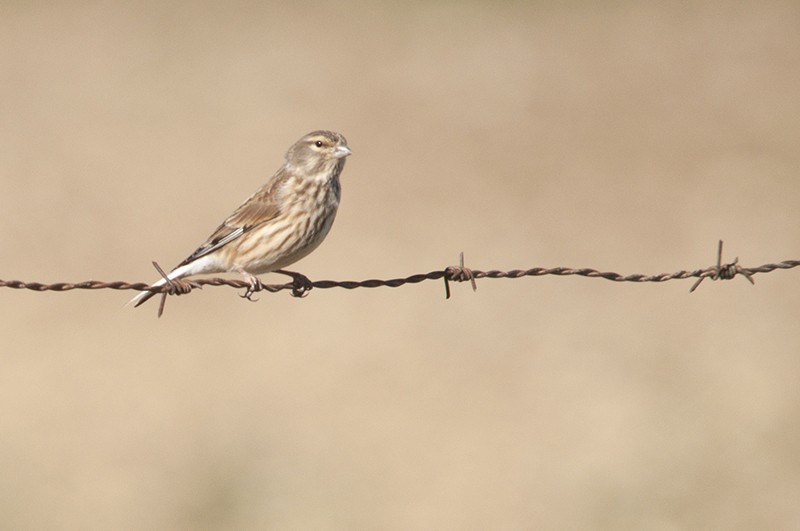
301	284
254	287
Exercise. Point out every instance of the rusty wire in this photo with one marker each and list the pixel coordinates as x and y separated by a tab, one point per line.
459	273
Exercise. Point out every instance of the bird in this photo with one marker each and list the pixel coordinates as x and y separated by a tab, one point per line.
281	223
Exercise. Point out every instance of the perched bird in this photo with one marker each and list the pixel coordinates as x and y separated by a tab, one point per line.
282	222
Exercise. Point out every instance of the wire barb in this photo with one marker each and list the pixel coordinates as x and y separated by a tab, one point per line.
175	286
723	271
458	273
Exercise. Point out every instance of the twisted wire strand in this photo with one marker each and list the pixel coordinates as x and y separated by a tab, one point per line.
458	273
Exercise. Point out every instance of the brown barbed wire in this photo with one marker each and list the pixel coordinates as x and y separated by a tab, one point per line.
300	285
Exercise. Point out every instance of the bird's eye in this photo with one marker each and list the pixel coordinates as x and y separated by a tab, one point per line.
318	143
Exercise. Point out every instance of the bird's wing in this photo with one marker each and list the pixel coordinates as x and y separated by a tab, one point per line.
262	207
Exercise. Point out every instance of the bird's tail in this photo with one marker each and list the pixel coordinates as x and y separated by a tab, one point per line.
204	264
145	296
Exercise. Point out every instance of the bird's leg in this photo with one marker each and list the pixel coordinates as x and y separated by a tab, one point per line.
255	285
301	285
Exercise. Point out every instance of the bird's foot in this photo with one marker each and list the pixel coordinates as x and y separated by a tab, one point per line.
254	287
301	285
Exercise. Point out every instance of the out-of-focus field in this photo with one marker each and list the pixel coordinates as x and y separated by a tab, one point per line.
626	137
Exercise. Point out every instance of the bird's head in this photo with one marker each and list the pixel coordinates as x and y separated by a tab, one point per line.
318	152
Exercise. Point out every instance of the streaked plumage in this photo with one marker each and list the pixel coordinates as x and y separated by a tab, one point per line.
282	222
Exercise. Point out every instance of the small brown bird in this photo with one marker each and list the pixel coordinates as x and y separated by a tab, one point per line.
282	222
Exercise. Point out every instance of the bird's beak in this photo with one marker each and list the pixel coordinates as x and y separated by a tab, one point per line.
341	152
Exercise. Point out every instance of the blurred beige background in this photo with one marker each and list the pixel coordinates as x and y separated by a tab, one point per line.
627	137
